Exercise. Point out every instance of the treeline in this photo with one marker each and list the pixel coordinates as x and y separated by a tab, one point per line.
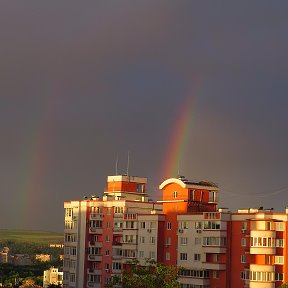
31	248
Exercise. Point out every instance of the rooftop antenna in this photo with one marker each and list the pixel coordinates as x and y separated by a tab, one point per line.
116	165
128	162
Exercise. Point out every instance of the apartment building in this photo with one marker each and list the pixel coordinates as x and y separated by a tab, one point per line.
215	247
102	235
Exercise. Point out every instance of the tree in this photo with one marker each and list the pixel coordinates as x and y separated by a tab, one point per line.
152	275
284	285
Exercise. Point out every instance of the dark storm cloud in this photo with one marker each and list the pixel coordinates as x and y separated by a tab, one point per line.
98	79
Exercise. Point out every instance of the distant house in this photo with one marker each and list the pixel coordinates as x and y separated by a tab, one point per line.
43	257
5	255
52	276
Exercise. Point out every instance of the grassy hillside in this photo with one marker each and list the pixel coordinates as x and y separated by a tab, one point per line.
40	237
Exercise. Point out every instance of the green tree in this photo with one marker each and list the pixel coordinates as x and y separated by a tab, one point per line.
152	275
284	285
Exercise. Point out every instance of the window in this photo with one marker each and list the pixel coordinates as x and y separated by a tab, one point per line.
215	274
140	187
72	277
68	212
107	266
262	242
279	226
94	278
175	194
279	243
142	239
214	241
244	225
279	260
152	254
141	254
168	241
198	225
73	251
109	211
152	240
183	256
108	224
268	226
268	259
167	256
107	238
243	242
142	225
216	257
116	266
107	252
118	209
194	273
191	195
169	225
183	240
279	276
183	225
197	257
212	225
243	259
244	275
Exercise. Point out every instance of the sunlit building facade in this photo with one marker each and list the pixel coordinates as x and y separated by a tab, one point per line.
214	247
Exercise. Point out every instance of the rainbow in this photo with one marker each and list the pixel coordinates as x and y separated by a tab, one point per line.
34	163
179	140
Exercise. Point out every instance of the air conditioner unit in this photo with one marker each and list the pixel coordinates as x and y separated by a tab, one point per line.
107	270
180	230
149	230
198	231
243	230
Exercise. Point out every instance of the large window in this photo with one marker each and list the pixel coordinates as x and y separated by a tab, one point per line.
194	273
262	242
214	241
212	225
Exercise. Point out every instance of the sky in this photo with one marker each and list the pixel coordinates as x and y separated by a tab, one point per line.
196	87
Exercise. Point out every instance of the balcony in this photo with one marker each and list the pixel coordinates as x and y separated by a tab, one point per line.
93	257
95	244
96	230
214	249
263	250
94	271
118	215
93	285
117	230
96	216
115	256
214	266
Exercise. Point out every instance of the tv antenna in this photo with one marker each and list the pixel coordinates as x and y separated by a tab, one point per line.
128	163
116	165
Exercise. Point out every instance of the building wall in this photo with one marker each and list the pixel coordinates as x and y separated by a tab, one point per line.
215	247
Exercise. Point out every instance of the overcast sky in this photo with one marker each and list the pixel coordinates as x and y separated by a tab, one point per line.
81	82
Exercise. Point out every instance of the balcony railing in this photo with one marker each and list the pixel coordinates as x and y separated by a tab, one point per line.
96	230
93	257
96	216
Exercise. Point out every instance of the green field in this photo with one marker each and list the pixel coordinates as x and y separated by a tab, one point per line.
41	237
